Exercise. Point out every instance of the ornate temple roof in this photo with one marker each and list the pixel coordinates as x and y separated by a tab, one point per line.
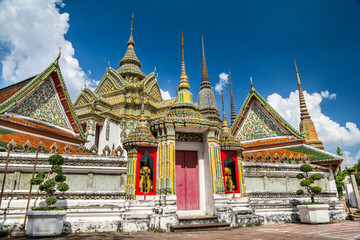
228	141
43	98
206	97
261	118
130	63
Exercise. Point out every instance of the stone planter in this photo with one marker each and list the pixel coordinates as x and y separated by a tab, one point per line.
314	214
45	223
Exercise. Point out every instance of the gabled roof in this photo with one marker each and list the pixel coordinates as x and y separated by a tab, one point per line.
86	96
29	86
255	96
151	86
110	82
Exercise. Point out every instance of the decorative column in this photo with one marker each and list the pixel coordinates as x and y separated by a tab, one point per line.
217	181
131	172
170	160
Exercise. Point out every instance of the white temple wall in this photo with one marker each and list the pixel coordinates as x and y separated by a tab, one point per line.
109	135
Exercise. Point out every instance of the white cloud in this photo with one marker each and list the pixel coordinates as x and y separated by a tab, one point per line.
223	80
165	95
329	131
33	31
326	94
350	161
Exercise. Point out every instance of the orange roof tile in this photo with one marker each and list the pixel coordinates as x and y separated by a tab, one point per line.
21	138
8	91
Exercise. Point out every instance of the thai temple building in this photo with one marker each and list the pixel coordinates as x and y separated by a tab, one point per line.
136	162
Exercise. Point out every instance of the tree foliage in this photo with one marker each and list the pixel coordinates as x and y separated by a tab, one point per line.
308	181
51	184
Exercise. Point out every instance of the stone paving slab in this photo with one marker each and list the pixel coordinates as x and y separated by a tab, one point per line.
342	230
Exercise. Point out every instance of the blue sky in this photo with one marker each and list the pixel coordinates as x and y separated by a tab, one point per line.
257	38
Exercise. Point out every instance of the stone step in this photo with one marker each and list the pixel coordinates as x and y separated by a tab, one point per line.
197	220
355	217
200	227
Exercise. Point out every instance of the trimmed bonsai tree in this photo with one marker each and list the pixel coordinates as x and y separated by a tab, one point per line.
49	183
308	181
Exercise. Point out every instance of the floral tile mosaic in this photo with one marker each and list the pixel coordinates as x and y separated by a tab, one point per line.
258	125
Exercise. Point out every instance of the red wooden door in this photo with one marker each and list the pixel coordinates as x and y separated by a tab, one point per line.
187	180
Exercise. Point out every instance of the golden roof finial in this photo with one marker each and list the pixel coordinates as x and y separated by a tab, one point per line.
183	71
184	83
224	116
58	57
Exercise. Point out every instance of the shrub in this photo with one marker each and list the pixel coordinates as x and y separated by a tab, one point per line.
308	180
51	185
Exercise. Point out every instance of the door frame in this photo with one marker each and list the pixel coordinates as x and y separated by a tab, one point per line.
199	148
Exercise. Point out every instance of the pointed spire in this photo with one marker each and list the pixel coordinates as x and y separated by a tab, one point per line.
225	126
184	83
130	63
205	82
131	39
304	114
306	124
233	113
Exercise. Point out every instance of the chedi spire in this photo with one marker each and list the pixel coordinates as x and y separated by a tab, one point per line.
206	97
130	63
233	113
307	126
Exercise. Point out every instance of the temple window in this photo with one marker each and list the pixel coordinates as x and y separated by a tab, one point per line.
292	158
146	171
284	157
230	171
250	157
276	157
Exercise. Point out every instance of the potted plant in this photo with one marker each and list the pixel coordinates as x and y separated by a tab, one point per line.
311	212
48	220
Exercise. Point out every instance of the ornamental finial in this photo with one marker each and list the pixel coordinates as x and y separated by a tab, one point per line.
251	82
224	116
184	83
183	72
132	22
58	57
131	39
233	113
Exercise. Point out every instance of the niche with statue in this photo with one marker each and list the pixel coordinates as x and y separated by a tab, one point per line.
230	171
146	171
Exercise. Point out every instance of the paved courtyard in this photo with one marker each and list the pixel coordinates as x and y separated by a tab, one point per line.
342	230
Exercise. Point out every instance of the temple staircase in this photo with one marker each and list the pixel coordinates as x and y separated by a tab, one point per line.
199	223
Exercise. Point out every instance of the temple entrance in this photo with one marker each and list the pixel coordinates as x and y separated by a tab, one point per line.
187	180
